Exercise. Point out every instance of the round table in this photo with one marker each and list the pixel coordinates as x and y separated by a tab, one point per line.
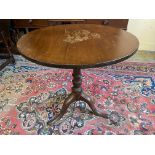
77	47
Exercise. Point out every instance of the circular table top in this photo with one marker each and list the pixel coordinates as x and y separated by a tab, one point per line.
77	45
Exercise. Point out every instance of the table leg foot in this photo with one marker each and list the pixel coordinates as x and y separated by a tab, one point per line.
91	103
70	99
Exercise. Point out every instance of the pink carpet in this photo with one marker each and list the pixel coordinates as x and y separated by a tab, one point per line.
30	95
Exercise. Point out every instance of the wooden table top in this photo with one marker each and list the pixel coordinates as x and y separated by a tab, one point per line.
77	45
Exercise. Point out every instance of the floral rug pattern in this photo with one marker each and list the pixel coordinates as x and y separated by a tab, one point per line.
31	94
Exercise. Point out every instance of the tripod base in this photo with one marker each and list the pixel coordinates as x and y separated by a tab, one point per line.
78	95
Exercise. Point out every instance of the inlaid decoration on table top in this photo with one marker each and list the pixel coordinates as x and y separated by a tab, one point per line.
79	36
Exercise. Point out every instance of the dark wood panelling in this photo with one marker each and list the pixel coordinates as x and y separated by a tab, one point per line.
38	23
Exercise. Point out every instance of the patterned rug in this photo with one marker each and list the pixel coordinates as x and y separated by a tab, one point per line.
31	94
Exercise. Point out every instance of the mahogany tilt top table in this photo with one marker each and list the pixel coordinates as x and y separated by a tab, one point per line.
77	47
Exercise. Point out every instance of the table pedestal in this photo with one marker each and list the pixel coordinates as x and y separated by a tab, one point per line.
76	95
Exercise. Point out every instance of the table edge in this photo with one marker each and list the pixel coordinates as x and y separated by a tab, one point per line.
86	66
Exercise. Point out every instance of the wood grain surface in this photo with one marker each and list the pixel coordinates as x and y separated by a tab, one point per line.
78	45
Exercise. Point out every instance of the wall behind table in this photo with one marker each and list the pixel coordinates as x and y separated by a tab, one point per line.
144	30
